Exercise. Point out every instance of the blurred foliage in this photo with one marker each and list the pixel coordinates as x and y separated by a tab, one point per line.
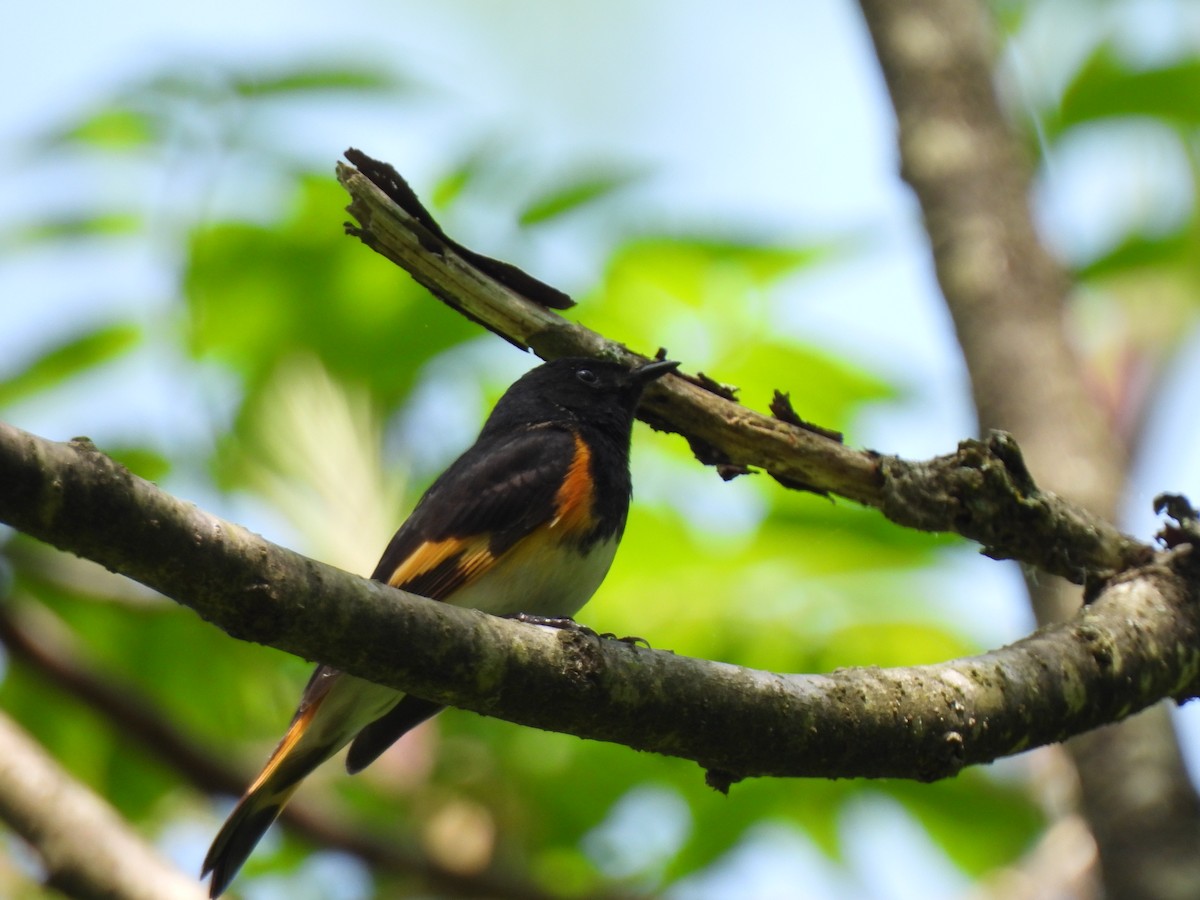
575	191
1138	288
1109	87
323	349
200	98
260	294
67	360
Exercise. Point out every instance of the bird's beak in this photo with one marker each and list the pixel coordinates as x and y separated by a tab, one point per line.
648	372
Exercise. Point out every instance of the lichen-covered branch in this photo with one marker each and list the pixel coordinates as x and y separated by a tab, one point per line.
1139	642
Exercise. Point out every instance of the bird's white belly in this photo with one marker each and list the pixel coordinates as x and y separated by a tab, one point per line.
540	576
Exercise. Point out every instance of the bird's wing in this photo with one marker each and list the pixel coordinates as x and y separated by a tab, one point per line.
491	497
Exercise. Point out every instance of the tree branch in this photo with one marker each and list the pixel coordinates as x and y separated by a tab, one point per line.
982	492
87	850
1139	642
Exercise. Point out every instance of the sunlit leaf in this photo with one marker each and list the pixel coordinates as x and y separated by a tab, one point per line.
303	79
575	192
257	295
311	447
447	189
144	463
1107	87
1141	252
689	269
110	128
1011	816
68	359
888	644
824	389
705	301
82	225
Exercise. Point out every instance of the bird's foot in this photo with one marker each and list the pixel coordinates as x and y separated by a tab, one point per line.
566	623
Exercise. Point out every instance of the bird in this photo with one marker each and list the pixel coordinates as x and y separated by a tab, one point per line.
524	523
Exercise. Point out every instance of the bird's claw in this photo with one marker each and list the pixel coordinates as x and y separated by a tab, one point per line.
566	623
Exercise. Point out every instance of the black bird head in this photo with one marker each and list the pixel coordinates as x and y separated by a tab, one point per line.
577	390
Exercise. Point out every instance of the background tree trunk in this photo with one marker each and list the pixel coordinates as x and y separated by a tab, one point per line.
1007	297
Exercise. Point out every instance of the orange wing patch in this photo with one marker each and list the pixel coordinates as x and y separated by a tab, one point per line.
438	568
574	500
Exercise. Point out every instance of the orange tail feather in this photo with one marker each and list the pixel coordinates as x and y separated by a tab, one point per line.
263	802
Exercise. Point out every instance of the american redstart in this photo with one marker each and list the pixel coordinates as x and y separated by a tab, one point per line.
525	521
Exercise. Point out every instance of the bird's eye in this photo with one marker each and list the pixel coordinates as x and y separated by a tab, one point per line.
587	376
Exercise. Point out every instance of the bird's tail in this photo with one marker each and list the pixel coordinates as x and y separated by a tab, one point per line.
335	707
263	802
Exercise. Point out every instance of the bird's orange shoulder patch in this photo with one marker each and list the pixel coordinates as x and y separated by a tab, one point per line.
575	500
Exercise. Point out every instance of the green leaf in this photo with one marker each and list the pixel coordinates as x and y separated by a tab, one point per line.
1139	252
451	185
261	294
689	269
575	192
704	299
1107	87
823	388
141	461
74	226
1003	812
118	128
354	78
890	644
711	303
68	359
475	164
